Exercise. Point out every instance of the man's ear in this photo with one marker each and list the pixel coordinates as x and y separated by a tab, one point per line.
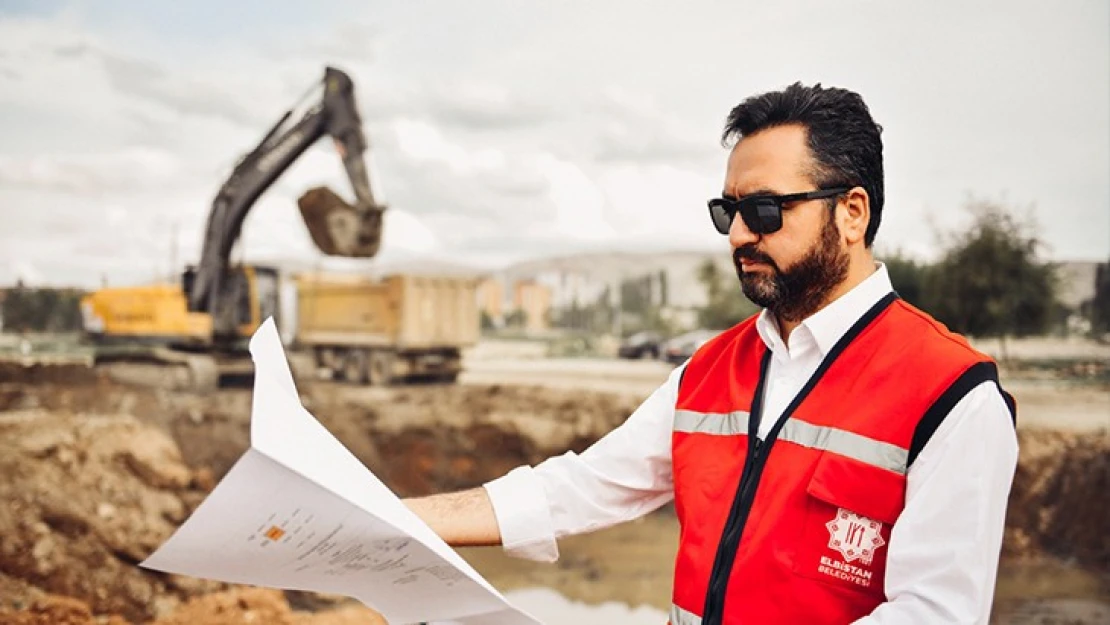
853	213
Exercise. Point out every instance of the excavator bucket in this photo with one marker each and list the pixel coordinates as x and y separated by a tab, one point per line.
338	228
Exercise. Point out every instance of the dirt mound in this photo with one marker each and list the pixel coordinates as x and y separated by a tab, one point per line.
97	475
47	373
418	439
86	498
212	430
229	607
1057	504
259	605
431	438
55	610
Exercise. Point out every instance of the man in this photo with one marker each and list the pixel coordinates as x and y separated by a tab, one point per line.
839	458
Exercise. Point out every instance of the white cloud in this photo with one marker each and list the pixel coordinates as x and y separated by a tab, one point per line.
642	197
125	170
351	42
530	132
406	232
425	143
26	272
580	206
115	215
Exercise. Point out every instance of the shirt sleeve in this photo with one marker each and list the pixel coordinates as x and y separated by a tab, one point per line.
944	549
624	475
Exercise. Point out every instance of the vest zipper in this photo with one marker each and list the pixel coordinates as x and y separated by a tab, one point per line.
741	506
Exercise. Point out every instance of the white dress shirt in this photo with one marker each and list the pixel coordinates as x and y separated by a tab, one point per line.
943	551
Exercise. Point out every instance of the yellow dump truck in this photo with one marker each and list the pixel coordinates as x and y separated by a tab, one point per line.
375	331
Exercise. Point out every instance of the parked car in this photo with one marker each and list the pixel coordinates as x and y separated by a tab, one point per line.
679	349
640	345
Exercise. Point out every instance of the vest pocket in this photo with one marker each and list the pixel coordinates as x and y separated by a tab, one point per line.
849	509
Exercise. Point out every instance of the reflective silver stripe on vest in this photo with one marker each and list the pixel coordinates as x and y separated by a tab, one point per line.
867	450
716	423
682	617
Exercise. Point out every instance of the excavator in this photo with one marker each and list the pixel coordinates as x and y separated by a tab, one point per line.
201	327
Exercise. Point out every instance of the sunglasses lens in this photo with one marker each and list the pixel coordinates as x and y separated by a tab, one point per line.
760	215
769	216
721	216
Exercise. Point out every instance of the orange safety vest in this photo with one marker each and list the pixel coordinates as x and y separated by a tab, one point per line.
794	529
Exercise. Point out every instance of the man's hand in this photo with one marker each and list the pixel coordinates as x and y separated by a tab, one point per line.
461	519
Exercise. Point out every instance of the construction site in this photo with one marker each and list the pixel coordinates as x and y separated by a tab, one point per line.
107	448
101	467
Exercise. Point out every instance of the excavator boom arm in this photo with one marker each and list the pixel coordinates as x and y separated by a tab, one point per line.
337	228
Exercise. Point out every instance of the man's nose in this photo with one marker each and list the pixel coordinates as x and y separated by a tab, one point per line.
739	234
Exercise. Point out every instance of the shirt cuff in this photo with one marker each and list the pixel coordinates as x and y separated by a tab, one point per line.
523	515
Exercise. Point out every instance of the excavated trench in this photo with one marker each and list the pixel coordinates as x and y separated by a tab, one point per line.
98	473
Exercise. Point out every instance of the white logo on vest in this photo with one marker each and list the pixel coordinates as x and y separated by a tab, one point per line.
855	537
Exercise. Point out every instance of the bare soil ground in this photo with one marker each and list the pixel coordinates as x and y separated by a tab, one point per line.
98	473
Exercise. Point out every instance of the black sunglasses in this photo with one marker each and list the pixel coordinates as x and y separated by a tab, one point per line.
761	213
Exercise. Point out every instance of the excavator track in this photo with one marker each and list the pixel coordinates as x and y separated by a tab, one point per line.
160	367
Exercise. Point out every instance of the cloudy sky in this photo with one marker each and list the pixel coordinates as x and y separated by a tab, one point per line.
512	129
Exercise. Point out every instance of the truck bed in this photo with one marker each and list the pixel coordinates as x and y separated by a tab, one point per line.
405	312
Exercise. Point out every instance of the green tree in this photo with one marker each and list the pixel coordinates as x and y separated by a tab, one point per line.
907	275
725	307
990	281
1098	309
709	274
515	319
42	309
641	304
486	322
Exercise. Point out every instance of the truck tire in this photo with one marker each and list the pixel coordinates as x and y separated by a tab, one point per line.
355	367
380	369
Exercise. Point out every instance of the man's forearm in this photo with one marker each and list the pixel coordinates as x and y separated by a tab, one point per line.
461	519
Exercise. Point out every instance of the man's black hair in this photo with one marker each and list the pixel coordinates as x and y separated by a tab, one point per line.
842	136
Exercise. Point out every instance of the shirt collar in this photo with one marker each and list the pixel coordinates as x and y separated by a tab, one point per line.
832	322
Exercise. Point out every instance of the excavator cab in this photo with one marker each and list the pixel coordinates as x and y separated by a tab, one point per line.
253	295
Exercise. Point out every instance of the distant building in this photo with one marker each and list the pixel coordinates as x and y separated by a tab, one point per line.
534	301
523	304
597	291
491	299
571	287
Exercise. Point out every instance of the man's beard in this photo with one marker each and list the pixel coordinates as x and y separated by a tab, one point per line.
802	289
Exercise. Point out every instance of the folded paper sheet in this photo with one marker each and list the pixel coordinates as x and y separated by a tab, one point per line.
299	511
